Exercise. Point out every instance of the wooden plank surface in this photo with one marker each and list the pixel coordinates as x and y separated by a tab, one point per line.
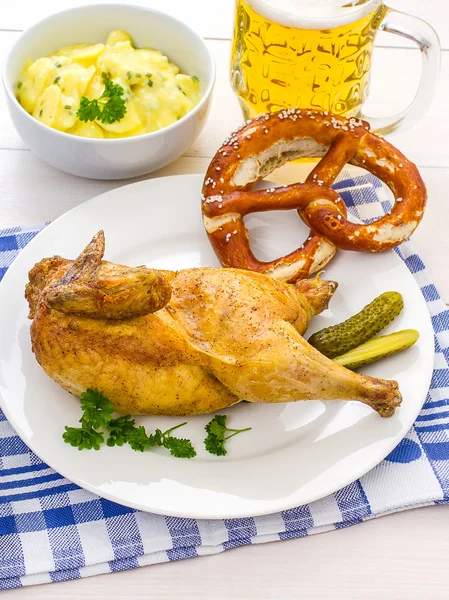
53	192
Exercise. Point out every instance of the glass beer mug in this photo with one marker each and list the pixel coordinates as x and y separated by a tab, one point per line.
317	54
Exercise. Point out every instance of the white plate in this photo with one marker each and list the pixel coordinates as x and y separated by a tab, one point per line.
295	453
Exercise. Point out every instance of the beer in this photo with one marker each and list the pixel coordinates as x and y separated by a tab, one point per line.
307	53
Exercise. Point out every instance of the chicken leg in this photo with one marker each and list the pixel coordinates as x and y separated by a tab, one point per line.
187	342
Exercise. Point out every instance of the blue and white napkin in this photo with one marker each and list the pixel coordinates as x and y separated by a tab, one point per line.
51	530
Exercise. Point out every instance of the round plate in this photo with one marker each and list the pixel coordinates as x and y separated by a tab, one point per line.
295	453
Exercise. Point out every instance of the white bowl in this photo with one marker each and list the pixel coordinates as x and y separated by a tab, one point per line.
122	157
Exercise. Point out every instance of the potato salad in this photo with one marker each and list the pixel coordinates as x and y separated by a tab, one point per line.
109	90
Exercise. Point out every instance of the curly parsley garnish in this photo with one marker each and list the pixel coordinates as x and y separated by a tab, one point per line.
83	437
179	447
97	419
216	439
97	409
120	430
108	108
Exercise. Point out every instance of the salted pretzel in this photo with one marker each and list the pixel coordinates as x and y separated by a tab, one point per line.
269	141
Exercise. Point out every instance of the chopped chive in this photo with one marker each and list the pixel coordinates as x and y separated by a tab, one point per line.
129	74
181	90
19	85
40	112
56	79
195	79
57	65
67	107
138	75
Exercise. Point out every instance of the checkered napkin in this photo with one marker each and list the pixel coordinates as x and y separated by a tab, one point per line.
51	530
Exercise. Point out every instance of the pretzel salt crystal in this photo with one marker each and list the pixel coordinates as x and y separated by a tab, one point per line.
271	140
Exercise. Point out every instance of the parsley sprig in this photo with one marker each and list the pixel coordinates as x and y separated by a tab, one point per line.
179	447
217	437
108	108
83	437
97	409
97	418
120	430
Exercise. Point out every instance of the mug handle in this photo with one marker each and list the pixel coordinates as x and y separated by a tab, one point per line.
426	38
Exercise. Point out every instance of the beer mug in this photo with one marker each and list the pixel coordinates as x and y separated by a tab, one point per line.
317	54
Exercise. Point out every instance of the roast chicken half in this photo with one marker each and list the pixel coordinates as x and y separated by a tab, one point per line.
187	342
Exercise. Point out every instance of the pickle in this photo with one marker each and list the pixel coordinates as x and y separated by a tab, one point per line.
378	348
339	339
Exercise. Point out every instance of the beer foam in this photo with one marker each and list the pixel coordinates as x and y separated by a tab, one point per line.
313	14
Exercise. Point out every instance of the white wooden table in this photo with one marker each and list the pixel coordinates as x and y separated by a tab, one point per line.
399	556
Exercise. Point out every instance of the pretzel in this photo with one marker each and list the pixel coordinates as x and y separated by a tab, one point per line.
269	141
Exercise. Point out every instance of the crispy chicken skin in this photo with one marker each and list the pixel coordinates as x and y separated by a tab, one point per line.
187	342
